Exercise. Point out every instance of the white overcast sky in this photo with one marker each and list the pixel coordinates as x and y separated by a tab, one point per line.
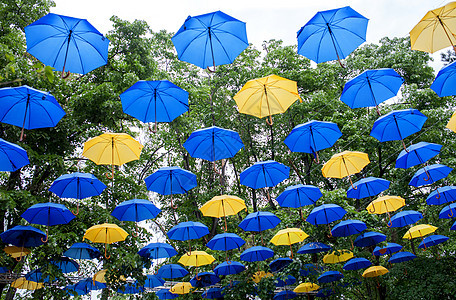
265	19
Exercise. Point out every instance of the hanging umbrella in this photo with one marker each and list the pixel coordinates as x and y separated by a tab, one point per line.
23	236
390	248
385	204
257	276
397	125
314	248
112	149
433	240
82	251
452	122
154	101
256	253
429	175
100	276
330	276
345	164
442	195
229	268
135	210
337	256
306	287
417	154
222	206
371	88
157	250
196	259
259	221
279	264
332	34
288	237
283	295
212	293
348	227
225	242
299	195
105	233
170	181
406	217
401	257
444	82
165	294
37	276
312	137
285	281
356	264
375	271
447	212
310	269
267	96
152	281
67	43
66	265
48	214
86	285
186	231
211	39
23	284
204	279
130	288
367	187
29	108
325	214
12	156
16	252
435	30
419	231
171	271
370	238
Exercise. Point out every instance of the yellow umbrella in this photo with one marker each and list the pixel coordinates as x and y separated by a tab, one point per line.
222	206
105	233
16	252
24	284
113	149
181	288
419	231
452	123
345	164
385	204
306	287
196	259
337	256
100	276
435	30
257	276
267	96
375	271
289	236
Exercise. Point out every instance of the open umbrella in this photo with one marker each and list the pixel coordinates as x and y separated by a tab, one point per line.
370	238
37	276
211	39
16	252
225	242
402	256
100	276
12	156
29	108
452	122
154	101
337	256
229	268
444	82
86	285
186	231
283	295
157	250
82	251
66	265
345	164
330	276
153	281
130	288
385	204
325	214
406	217
357	263
23	236
196	259
106	234
165	294
112	149
257	276
135	210
390	248
279	264
67	43
306	287
171	271
212	293
315	247
448	211
222	206
332	34
367	187
288	237
170	181
23	284
204	279
433	240
419	231
285	281
347	228
417	154
442	195
256	253
299	195
375	271
429	175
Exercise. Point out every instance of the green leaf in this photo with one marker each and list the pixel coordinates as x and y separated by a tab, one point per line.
49	74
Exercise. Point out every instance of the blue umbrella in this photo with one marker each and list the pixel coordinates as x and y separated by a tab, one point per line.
315	247
229	268
87	285
453	227
283	295
3	270
82	251
165	294
225	242
390	248
405	218
23	236
332	34
444	82
348	227
299	195
29	108
442	195
154	101
211	39
368	187
204	279
429	175
417	154
330	276
401	257
157	250
433	240
171	271
312	137
397	125
310	269
77	186
357	263
67	43
369	238
186	231
170	181
153	281
37	276
12	156
259	221
325	214
256	253
212	293
371	88
284	281
278	264
213	143
448	211
130	288
66	265
135	210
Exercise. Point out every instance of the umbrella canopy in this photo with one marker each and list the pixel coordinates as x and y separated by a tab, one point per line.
325	214
196	259
444	82
66	265
385	204
87	285
401	257
152	281
417	154
37	276
12	156
130	288
345	164
306	287
371	88
188	231
49	214
315	247
406	217
337	256
171	271
299	195
330	276
332	34
257	276
433	240
279	264
419	231
442	195
256	253
429	175
357	263
77	186
370	238
67	43
225	242
23	236
165	294
82	251
212	293
435	31
312	136
105	233
452	123
229	268
310	269
154	101
211	39
135	210
447	212
213	143
266	96
171	180
23	284
181	288
204	279
368	187
157	250
259	221
288	237
284	281
375	271
264	174
348	227
390	248
16	252
29	108
222	206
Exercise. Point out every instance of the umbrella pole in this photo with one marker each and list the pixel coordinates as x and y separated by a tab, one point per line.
77	210
334	44
448	36
389	224
107	257
378	111
189	247
403	144
47	235
346	169
25	117
427	173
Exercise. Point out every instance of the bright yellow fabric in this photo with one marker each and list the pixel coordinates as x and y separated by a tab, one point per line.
375	271
419	231
289	236
105	233
24	284
181	288
196	259
337	256
306	287
222	206
16	252
257	276
100	276
344	164
452	123
385	204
